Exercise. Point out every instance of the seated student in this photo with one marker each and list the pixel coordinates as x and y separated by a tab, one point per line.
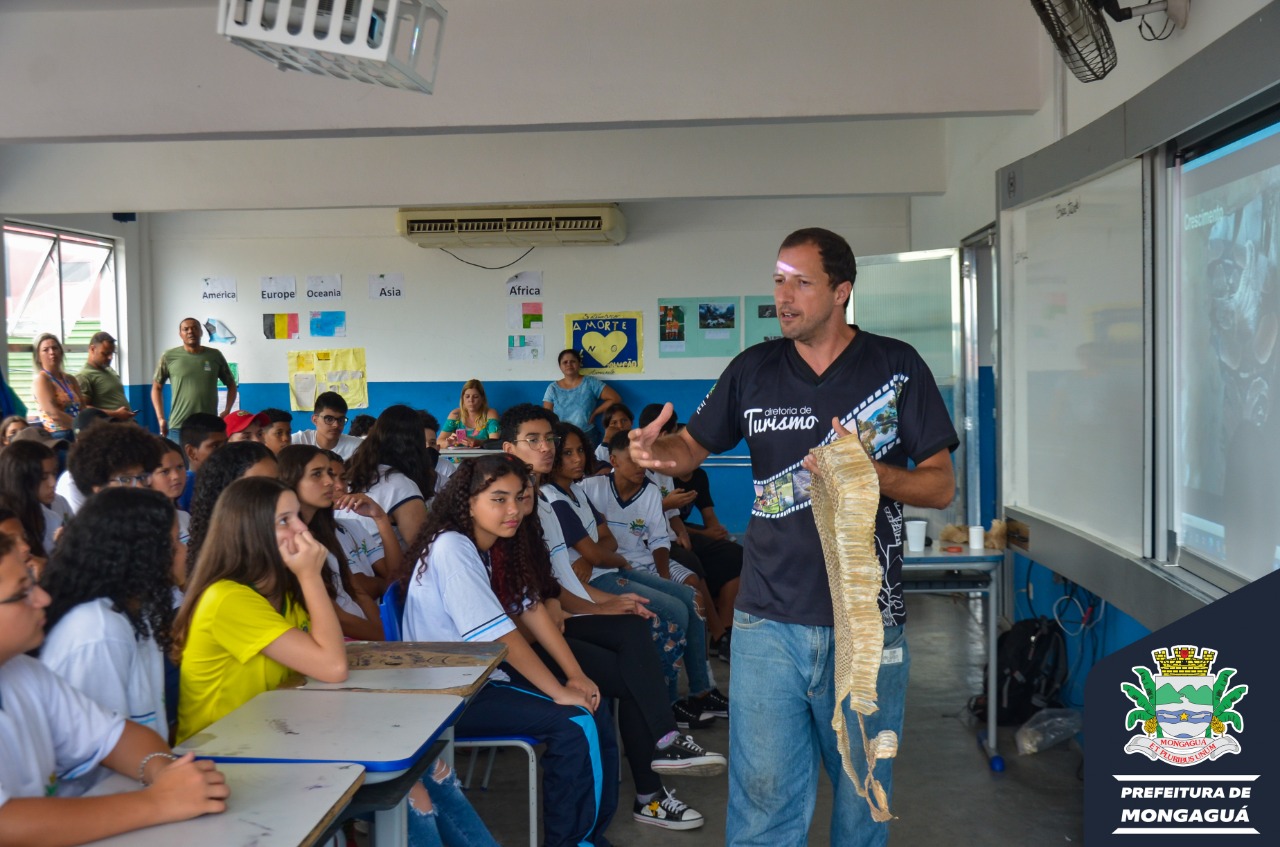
381	549
11	426
111	620
473	422
66	488
617	418
257	608
169	478
202	434
719	552
632	508
361	424
329	417
395	468
451	597
109	455
245	426
242	459
676	503
431	432
51	733
276	435
611	641
28	471
306	470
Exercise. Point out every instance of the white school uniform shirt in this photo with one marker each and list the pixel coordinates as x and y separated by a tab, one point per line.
666	484
602	454
392	490
49	731
67	489
362	549
184	526
346	445
576	501
452	600
444	470
638	524
341	598
561	559
94	648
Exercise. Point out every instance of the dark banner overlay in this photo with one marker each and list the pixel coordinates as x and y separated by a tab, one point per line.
1182	749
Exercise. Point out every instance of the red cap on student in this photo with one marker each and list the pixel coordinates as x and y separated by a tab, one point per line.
240	420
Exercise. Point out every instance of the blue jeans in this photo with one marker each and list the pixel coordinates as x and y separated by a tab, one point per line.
782	699
673	603
174	435
456	822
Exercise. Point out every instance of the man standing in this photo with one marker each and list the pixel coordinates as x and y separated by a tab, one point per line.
822	379
195	371
100	386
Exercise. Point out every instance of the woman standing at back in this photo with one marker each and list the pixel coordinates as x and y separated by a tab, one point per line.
57	394
575	398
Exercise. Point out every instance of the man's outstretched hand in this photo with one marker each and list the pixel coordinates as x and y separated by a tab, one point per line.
642	441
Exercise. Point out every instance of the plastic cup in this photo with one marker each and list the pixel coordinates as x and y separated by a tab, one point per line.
915	536
975	538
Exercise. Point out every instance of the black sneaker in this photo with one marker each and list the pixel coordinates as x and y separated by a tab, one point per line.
668	813
685	756
712	703
689	715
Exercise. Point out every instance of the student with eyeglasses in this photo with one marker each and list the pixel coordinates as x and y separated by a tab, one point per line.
329	417
113	456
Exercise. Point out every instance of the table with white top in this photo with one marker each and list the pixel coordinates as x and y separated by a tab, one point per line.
270	806
387	734
934	571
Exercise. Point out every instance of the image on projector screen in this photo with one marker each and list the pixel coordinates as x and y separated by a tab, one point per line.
1228	319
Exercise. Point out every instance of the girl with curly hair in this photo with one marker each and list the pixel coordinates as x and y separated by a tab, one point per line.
229	463
28	474
111	620
394	467
306	470
257	606
472	577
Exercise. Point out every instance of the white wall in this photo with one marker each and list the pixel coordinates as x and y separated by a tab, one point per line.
452	322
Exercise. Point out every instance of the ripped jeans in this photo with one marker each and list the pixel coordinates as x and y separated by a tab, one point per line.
673	603
452	821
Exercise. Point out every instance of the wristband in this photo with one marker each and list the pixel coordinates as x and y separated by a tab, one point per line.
142	767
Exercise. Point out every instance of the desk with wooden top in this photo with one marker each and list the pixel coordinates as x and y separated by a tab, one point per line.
387	657
936	571
270	806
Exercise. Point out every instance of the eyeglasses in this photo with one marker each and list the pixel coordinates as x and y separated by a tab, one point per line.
330	420
140	481
25	594
536	441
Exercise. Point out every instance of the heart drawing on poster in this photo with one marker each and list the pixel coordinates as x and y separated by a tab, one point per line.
604	348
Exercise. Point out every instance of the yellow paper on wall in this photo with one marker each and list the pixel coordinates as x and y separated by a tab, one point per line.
342	370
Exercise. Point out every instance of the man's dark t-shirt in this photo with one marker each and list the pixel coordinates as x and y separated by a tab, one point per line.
771	397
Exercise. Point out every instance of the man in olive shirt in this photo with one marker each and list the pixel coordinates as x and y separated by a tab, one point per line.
100	386
195	371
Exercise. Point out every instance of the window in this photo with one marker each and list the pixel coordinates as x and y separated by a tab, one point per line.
58	282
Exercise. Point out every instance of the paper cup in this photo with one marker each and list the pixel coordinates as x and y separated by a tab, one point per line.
915	536
975	538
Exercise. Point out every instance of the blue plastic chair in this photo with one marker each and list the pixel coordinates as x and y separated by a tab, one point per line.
391	608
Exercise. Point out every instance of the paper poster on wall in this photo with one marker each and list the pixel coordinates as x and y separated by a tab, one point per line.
524	316
760	320
328	324
524	348
386	286
218	332
525	284
279	288
342	370
218	288
609	342
222	390
715	332
324	287
280	327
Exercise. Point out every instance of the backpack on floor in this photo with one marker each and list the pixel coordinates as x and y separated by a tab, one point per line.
1031	667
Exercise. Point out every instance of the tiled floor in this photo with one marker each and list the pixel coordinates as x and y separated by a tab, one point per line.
944	792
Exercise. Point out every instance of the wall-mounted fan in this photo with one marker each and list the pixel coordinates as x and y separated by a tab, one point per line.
1080	32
